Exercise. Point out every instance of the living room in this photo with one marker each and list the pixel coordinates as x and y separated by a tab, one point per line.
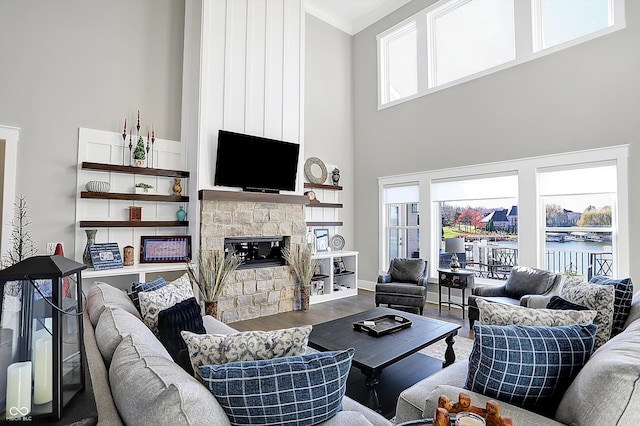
72	64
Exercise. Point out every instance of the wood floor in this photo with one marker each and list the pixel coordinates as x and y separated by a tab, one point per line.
333	309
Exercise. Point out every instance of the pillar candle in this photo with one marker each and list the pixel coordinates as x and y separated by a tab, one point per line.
18	390
42	373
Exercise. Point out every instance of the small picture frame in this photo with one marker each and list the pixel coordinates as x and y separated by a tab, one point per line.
339	267
105	256
170	249
135	213
322	239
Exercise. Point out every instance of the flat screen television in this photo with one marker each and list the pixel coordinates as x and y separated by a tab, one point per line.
255	163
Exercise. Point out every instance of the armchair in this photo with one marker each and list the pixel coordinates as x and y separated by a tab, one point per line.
404	284
524	286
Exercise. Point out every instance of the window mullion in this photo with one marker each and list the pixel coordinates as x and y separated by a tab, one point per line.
424	70
525	13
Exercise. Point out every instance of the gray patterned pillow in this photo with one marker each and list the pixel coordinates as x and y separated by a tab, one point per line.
502	314
206	349
152	302
593	296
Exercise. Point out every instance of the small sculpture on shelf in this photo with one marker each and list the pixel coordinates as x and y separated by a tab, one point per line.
335	176
177	187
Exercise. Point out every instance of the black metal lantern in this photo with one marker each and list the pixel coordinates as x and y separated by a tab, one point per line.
42	360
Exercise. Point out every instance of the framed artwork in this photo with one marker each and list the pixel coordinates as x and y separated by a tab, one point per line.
322	239
105	256
165	249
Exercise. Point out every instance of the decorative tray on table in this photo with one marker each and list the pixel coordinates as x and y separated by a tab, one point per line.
379	326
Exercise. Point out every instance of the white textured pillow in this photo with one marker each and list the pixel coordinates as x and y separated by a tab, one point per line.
152	302
206	349
503	314
594	296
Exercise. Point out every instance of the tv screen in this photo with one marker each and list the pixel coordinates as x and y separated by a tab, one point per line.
255	163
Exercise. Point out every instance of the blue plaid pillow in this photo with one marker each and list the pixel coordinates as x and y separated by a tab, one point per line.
528	366
301	390
136	288
622	300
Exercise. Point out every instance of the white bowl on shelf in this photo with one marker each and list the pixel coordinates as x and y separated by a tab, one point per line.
98	186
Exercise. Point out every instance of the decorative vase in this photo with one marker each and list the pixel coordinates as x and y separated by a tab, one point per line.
211	308
181	214
138	162
297	297
91	240
305	294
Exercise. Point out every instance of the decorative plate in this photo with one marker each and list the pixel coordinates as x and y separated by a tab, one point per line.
308	172
337	242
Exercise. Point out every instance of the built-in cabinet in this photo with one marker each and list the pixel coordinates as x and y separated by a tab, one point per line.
336	276
103	157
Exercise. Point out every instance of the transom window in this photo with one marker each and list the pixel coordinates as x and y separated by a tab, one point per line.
454	41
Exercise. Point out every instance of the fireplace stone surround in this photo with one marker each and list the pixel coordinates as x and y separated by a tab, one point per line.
260	291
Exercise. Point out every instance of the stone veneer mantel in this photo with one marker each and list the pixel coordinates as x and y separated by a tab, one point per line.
210	194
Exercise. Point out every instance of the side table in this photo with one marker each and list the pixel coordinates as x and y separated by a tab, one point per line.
460	279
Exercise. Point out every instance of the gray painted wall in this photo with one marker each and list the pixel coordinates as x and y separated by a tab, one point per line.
584	97
79	63
328	122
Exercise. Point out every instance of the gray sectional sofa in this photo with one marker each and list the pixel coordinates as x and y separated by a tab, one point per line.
605	392
135	381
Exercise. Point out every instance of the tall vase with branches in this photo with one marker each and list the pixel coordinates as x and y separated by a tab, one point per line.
215	268
303	265
22	245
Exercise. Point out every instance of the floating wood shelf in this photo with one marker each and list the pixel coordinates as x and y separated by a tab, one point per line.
322	186
325	223
210	194
330	205
135	197
131	223
135	170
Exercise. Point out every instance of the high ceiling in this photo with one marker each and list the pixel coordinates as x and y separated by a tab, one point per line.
352	16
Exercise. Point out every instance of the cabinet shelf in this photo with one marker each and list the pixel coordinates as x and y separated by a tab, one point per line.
324	223
138	197
322	186
131	223
135	170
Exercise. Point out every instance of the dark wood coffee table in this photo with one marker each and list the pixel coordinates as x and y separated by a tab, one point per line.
373	354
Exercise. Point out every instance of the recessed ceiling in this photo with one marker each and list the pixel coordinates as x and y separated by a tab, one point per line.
352	16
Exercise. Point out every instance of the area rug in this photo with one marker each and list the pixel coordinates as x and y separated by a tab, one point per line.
462	347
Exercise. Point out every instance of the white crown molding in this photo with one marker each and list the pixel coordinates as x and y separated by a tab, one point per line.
351	26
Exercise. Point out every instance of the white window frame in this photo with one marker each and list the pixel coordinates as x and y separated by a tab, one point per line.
530	239
383	40
527	41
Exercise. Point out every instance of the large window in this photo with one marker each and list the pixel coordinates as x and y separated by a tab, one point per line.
454	41
579	205
566	213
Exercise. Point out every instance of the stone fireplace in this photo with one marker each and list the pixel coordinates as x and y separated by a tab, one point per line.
261	288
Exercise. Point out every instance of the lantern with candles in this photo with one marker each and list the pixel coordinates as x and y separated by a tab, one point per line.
42	360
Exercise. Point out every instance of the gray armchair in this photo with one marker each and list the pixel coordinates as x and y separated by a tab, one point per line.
404	284
525	286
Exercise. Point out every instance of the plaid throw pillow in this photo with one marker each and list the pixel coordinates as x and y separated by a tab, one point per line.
155	284
622	300
528	366
300	390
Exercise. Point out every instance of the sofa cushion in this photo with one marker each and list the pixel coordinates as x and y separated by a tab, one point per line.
634	312
101	295
137	287
303	390
152	390
528	366
597	297
207	349
607	389
558	303
501	314
182	316
152	302
525	280
407	270
114	325
622	299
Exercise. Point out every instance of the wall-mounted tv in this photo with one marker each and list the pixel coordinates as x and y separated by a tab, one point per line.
255	163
